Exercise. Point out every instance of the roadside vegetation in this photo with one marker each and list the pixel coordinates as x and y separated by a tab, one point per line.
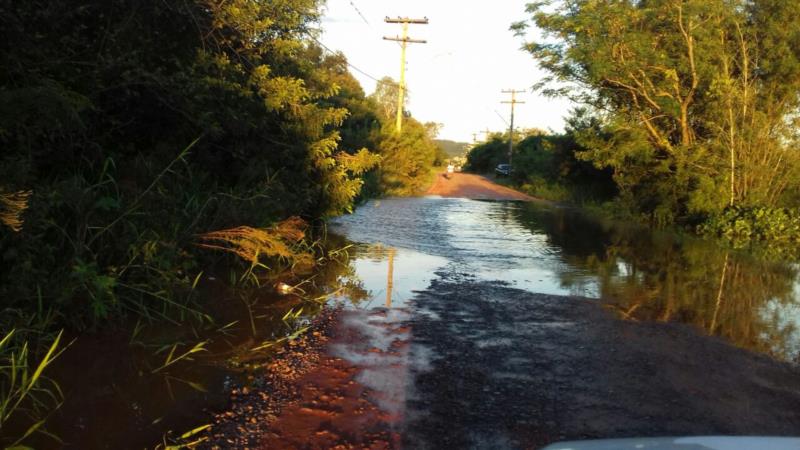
689	105
132	132
545	166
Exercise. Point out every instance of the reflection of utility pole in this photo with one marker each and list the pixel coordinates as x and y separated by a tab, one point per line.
390	279
719	296
405	40
513	102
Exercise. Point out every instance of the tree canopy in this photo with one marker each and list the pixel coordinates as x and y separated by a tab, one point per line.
695	101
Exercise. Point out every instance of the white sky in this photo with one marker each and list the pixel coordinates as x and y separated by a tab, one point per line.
455	78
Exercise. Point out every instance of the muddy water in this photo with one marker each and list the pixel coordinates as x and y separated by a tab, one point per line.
640	274
117	399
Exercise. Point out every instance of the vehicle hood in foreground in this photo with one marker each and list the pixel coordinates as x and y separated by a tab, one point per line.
683	443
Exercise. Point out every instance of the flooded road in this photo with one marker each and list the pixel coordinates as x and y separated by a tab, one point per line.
639	274
463	324
538	324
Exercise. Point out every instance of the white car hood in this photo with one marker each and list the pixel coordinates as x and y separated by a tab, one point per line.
683	443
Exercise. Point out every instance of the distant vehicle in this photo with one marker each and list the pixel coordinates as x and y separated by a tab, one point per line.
450	168
503	170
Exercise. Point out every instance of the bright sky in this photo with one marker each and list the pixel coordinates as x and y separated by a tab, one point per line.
455	78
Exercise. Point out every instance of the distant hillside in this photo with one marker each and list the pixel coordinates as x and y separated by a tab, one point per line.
452	148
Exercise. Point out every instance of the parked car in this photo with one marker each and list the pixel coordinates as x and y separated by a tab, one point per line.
502	170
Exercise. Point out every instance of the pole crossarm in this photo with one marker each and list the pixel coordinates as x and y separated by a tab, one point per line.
513	103
399	39
423	21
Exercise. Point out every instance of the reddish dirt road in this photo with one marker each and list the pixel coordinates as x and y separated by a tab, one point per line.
476	187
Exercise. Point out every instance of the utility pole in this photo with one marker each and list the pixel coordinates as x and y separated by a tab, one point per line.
486	134
404	40
474	138
513	102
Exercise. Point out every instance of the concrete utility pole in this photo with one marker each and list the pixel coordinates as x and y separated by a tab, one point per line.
513	102
404	40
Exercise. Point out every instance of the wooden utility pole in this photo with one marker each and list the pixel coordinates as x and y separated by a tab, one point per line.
474	138
513	102
404	40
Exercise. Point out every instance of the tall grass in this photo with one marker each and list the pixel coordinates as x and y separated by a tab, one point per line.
282	244
12	205
26	394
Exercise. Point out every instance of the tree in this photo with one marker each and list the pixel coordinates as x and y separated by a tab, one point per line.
385	96
407	157
689	120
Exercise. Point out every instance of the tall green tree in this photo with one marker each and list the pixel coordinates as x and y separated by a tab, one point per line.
115	111
695	97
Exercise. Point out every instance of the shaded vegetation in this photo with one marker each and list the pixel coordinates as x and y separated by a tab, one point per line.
129	128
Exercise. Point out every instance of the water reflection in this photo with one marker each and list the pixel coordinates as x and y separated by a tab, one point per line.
661	276
638	273
114	400
390	275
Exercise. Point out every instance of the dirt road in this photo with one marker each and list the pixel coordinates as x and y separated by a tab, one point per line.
476	187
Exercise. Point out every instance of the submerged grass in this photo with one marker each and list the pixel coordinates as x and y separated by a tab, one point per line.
26	394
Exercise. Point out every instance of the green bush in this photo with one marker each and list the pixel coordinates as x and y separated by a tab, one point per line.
744	227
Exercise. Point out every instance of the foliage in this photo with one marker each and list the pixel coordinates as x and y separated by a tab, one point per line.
96	100
13	205
452	148
407	158
780	227
662	276
485	157
546	166
693	102
386	97
128	128
24	390
282	242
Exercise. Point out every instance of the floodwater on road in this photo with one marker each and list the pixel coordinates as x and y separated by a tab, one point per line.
117	397
640	274
506	343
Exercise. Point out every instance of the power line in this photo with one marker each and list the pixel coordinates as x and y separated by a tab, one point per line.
346	60
349	64
501	117
359	13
